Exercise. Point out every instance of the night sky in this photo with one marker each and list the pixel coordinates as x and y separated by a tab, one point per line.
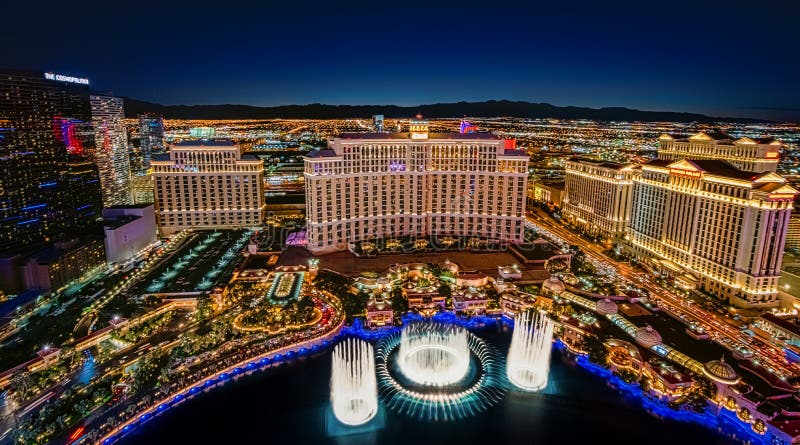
718	59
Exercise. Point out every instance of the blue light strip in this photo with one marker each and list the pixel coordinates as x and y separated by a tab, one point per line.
212	382
83	207
47	184
30	221
34	206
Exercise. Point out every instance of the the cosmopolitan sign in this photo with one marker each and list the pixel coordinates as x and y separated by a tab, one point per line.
63	78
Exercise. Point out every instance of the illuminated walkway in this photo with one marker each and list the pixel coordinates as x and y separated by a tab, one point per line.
623	323
251	364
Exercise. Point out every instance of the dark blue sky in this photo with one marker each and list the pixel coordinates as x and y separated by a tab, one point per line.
715	58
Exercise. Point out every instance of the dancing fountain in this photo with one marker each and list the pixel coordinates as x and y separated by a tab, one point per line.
528	363
354	391
434	354
437	371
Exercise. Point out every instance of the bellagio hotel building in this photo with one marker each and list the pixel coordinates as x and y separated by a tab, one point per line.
367	186
207	184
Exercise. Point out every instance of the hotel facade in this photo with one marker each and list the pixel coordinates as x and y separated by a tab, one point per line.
713	226
597	196
752	155
367	186
207	184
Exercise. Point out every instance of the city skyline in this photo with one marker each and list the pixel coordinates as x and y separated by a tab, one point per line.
596	56
392	223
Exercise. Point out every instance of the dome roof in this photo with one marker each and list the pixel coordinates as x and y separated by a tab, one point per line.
553	284
451	266
721	372
647	336
606	306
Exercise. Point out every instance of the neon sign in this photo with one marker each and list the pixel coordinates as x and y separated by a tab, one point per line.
772	155
781	196
64	130
684	173
69	79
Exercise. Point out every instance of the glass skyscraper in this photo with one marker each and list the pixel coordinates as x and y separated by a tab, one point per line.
111	150
151	137
49	184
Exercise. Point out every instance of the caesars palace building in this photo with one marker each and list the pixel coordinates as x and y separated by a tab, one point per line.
367	186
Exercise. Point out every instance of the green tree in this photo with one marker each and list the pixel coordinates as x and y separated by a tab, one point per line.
205	309
399	302
445	290
354	304
596	349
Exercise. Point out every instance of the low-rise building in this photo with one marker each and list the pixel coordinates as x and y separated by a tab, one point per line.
547	192
777	330
63	262
470	300
474	279
513	303
128	231
379	311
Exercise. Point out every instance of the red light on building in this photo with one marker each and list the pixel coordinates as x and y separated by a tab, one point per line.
684	173
510	144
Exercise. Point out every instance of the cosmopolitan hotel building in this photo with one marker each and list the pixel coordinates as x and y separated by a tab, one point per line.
372	185
710	224
207	184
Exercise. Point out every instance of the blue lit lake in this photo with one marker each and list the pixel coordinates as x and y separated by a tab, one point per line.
288	404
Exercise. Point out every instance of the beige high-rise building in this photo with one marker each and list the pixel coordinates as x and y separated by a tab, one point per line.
207	184
752	155
597	195
713	226
367	186
793	232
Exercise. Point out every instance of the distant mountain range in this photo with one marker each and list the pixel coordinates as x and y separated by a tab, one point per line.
491	108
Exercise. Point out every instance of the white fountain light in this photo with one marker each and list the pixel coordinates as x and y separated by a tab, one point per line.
441	403
354	389
528	363
434	354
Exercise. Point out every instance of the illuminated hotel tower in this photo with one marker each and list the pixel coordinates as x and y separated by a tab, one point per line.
713	226
597	196
48	184
207	184
372	185
752	155
111	150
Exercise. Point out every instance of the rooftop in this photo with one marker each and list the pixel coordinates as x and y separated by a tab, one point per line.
598	162
205	143
116	223
515	152
722	168
326	153
404	135
782	323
